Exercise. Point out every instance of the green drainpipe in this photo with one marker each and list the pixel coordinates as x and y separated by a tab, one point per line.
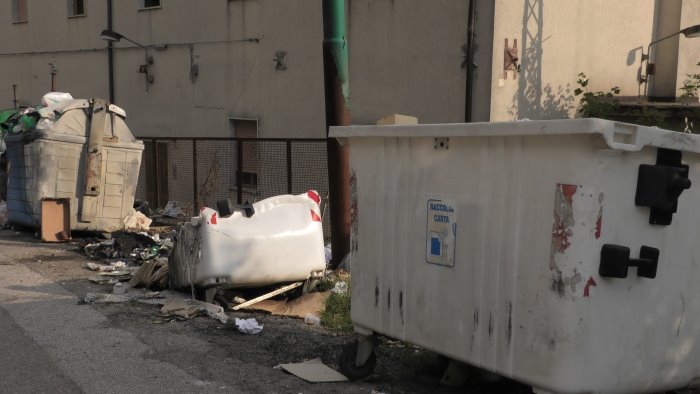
335	69
334	40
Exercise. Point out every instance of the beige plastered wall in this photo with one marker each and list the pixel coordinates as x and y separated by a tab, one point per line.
559	39
233	43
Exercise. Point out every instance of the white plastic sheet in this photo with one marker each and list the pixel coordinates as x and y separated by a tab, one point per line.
249	326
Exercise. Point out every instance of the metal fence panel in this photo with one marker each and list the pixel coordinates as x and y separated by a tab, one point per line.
199	172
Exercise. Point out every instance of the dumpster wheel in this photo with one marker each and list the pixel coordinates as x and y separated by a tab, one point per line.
348	365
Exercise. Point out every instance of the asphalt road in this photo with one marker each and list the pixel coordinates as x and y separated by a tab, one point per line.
25	366
88	354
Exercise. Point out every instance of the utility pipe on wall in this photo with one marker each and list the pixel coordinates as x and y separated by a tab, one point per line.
110	54
469	91
335	68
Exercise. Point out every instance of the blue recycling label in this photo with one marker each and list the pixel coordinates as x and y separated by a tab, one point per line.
441	232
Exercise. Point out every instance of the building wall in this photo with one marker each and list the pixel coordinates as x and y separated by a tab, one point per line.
689	48
406	57
557	40
232	42
665	53
71	44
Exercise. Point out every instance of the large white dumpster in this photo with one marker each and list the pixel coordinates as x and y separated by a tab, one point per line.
556	253
87	155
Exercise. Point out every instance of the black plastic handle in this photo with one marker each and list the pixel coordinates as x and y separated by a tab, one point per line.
615	261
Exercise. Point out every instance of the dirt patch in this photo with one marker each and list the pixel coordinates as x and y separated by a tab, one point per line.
210	350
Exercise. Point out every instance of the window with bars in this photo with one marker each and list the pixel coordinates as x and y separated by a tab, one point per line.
19	11
150	4
247	128
76	8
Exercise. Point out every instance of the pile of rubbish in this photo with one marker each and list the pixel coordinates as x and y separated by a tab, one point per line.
269	263
39	117
139	258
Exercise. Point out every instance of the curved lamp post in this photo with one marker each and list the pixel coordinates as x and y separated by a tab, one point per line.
113	36
689	32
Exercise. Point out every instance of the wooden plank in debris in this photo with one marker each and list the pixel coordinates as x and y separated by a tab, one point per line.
268	295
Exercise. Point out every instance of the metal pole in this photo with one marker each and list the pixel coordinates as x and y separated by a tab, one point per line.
239	173
471	21
14	95
289	167
194	176
335	62
156	171
110	54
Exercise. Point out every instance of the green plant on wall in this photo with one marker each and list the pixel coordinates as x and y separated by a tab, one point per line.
691	85
596	104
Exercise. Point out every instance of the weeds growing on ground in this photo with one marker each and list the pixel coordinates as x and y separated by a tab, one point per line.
336	316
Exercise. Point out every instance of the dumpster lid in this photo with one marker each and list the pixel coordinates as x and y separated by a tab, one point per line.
67	105
618	135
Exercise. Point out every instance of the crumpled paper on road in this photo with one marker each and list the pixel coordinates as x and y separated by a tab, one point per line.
249	326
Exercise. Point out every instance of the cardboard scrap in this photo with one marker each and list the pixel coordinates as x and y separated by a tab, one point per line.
313	303
152	274
314	371
55	219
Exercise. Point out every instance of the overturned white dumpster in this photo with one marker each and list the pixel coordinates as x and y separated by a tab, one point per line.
276	240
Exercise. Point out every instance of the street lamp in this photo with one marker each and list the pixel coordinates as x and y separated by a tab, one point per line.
113	36
689	32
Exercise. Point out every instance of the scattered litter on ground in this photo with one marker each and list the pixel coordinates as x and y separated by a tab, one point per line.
111	267
340	288
105	298
174	209
120	288
104	280
156	297
314	371
124	245
152	274
136	220
268	295
249	326
191	308
140	296
310	303
312	319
